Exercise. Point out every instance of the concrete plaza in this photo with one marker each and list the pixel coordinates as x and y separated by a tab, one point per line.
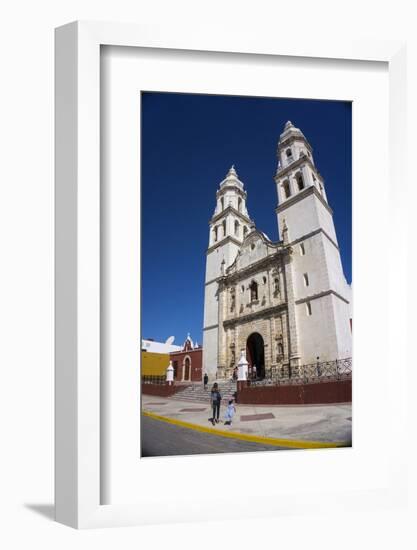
297	426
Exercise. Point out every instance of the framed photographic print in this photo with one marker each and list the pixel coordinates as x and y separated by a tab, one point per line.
217	311
267	307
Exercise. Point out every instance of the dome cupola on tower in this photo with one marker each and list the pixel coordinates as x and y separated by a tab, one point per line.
232	179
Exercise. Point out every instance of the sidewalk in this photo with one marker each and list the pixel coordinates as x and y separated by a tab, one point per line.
299	424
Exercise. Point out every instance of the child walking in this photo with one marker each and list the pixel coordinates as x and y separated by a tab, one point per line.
229	414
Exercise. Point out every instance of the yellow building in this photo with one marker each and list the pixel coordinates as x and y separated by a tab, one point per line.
154	364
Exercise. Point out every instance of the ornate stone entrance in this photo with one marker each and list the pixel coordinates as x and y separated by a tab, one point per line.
255	353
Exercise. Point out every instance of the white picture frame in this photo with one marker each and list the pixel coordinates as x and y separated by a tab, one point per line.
78	259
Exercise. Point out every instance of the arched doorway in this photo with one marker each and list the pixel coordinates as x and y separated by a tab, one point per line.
255	353
187	365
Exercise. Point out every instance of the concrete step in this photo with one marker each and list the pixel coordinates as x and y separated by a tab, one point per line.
197	393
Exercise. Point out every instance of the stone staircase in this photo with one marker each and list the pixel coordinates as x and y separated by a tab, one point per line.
196	392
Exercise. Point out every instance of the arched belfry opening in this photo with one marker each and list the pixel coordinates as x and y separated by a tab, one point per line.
255	353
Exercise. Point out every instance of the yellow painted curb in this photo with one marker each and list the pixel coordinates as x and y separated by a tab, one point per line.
290	443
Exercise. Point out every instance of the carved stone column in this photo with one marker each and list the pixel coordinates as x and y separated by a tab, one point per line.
272	334
294	355
221	351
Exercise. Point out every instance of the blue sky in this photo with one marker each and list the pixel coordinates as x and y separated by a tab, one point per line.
189	142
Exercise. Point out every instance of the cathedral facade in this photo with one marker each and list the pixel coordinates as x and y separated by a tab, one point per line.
286	303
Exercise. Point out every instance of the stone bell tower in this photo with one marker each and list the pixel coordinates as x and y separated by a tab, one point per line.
228	227
321	293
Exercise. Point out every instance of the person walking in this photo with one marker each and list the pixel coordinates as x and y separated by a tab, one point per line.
229	414
205	381
215	399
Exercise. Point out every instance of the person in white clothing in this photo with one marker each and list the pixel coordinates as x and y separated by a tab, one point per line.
229	414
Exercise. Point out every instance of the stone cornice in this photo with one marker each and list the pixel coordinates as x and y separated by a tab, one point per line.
311	190
231	187
312	234
294	137
229	210
266	312
284	171
215	280
296	164
253	268
223	241
210	327
321	295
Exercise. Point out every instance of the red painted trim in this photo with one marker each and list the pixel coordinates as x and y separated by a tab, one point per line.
324	392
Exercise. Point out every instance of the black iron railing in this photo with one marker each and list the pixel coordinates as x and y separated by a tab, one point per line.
323	371
149	379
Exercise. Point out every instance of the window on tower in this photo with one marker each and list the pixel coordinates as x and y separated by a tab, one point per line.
222	203
232	301
215	231
245	230
253	291
276	286
287	190
306	281
224	228
288	152
302	249
308	309
236	227
300	181
239	205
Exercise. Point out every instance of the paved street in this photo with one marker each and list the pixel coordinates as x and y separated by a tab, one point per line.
162	439
325	423
174	427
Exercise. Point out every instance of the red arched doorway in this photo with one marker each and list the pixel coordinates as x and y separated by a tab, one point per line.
187	368
255	354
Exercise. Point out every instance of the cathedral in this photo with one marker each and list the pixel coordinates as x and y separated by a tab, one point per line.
285	304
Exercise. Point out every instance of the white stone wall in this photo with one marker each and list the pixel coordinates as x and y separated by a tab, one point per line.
337	281
325	220
301	218
306	216
326	333
313	263
317	331
349	295
343	330
211	311
226	252
210	344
